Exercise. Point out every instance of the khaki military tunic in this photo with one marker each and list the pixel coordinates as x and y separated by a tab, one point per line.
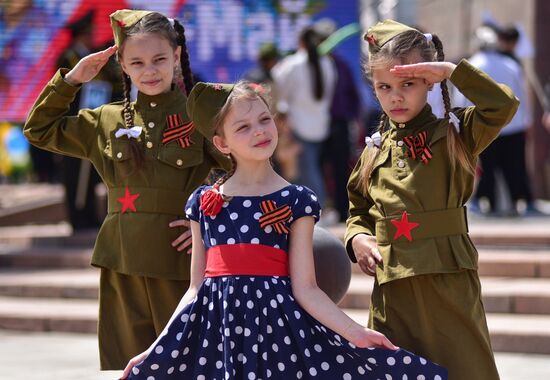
427	293
135	239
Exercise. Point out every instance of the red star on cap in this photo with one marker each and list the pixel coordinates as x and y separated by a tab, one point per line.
127	201
371	40
404	227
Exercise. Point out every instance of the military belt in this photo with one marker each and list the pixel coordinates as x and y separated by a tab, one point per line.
156	201
431	224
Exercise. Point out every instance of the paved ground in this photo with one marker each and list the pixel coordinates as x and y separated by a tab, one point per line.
56	356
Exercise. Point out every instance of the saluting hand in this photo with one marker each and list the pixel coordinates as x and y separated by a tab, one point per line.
366	252
88	67
431	72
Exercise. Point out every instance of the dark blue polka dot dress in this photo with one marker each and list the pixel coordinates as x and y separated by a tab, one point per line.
249	326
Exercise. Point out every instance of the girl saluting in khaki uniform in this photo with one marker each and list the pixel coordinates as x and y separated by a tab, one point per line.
151	158
407	223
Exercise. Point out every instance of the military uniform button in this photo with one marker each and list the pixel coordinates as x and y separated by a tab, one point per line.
153	104
119	155
151	124
149	144
401	125
401	163
400	143
179	162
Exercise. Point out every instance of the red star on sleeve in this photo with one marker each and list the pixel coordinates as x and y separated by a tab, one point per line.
404	227
127	201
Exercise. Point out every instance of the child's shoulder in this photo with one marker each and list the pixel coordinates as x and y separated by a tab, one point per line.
300	189
305	202
113	107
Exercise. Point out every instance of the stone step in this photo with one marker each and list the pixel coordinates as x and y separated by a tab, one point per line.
500	294
504	234
509	332
45	257
515	263
41	314
57	283
509	263
492	262
40	203
49	235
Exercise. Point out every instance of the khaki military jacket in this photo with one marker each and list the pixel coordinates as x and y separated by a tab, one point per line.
136	242
433	194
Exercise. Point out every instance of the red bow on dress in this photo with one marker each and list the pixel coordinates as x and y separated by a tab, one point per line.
211	201
275	217
177	131
417	148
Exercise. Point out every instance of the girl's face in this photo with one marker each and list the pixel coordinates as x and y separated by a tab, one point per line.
249	132
400	98
149	61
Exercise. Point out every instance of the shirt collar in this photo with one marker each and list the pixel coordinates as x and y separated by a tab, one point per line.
419	121
167	100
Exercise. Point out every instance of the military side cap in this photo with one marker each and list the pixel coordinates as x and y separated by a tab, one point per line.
123	19
203	104
379	34
269	51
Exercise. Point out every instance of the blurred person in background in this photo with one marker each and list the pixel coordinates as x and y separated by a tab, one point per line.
506	155
344	111
304	84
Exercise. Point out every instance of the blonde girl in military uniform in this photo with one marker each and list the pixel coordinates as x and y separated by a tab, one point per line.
407	224
150	157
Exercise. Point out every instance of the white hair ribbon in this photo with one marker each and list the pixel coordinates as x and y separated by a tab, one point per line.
428	37
454	121
373	140
171	20
133	132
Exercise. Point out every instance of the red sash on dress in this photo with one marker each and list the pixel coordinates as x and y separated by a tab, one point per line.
245	259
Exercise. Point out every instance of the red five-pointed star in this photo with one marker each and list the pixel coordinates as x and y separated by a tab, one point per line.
404	227
127	201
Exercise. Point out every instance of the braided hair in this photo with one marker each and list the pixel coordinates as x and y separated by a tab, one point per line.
184	57
310	39
154	23
455	145
400	49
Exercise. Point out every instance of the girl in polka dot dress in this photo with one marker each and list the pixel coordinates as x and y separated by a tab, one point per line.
243	317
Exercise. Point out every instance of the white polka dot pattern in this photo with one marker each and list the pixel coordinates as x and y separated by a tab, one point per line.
256	330
239	218
245	327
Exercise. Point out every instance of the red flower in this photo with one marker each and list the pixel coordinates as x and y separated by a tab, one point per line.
371	40
211	201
